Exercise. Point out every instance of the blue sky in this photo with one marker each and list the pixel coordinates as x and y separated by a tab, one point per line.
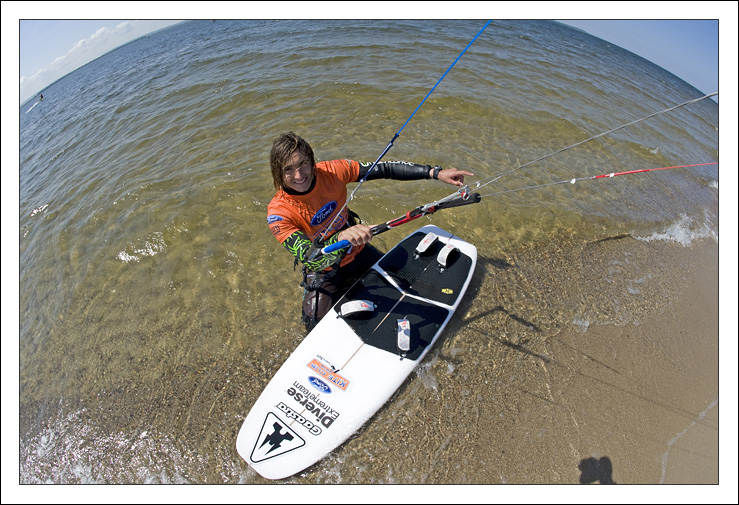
50	49
687	48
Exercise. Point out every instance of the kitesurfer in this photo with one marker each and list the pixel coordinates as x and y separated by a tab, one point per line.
309	195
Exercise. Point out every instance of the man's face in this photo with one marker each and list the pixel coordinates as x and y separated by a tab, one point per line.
297	174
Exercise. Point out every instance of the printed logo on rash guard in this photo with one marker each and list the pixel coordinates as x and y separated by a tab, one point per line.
274	219
323	213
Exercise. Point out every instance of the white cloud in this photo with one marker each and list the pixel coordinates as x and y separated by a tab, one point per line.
84	51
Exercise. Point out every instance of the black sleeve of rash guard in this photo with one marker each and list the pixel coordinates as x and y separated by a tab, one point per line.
397	170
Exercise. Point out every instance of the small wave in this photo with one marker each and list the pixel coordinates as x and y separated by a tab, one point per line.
38	209
652	150
582	323
427	378
671	443
70	451
684	232
148	247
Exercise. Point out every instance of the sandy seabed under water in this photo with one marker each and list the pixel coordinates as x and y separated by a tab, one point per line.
566	363
524	391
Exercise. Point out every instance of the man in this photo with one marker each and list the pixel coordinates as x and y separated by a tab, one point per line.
307	199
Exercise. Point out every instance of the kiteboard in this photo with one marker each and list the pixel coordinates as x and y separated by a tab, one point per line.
358	355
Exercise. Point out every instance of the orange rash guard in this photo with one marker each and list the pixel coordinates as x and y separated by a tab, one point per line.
313	212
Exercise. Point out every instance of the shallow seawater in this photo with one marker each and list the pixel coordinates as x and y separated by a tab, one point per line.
155	304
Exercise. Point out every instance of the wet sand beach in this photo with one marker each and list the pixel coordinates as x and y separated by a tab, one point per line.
521	395
521	389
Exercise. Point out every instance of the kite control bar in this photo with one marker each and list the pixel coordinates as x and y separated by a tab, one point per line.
458	199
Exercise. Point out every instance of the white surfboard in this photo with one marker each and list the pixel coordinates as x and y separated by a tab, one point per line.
358	355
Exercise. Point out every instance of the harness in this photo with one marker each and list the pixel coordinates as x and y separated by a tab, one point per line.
317	279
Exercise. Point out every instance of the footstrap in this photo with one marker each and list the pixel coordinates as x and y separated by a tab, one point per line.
356	306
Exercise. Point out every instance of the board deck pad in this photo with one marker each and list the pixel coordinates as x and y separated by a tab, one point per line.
422	275
348	366
378	328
